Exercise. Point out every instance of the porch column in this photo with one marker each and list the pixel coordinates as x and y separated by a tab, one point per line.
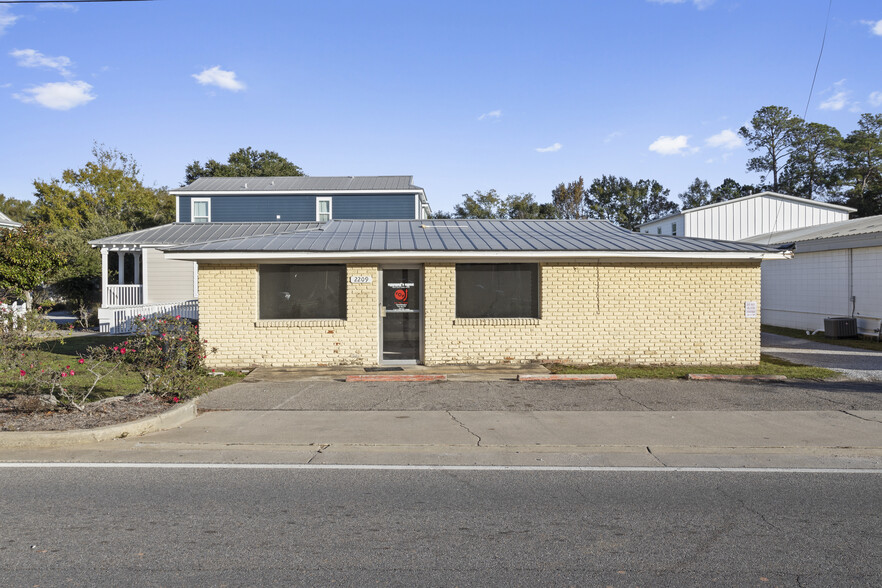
104	270
137	256
122	267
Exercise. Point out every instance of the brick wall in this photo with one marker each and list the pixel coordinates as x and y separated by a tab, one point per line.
641	313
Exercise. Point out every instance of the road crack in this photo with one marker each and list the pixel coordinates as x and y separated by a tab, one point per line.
860	417
460	423
655	457
626	397
321	450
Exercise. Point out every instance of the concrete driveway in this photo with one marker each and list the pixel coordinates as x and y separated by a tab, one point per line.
855	364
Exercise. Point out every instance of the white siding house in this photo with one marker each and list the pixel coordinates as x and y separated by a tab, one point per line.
746	217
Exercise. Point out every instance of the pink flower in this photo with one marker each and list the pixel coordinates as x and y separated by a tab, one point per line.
22	373
178	317
116	348
176	399
123	350
81	360
63	374
67	367
71	372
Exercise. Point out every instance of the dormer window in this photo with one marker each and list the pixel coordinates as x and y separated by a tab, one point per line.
200	210
323	210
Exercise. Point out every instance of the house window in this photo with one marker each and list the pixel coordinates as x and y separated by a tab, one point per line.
200	211
302	291
658	231
497	290
323	210
674	229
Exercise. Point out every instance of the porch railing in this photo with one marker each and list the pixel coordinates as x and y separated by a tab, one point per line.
120	320
126	295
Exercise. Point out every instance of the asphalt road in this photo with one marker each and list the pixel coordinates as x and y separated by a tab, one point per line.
403	528
507	395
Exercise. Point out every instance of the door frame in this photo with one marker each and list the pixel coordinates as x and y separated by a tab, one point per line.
422	312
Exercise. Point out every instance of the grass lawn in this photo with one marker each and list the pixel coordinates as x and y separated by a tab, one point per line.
863	343
768	366
122	382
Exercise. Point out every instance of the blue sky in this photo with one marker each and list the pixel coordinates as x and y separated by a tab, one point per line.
516	96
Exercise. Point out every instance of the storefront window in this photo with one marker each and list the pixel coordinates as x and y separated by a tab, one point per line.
497	290
302	291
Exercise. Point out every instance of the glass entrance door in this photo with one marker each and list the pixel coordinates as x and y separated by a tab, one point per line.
400	315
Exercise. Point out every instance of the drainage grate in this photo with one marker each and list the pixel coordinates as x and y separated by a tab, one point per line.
384	369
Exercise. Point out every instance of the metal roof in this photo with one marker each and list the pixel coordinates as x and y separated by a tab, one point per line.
290	184
846	228
188	233
5	221
462	236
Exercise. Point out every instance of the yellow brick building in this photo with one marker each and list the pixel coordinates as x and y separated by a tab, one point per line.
377	292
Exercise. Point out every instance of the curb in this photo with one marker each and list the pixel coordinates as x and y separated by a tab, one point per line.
398	378
42	439
564	377
733	378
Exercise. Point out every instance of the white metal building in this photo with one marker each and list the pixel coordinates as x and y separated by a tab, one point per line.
836	270
748	216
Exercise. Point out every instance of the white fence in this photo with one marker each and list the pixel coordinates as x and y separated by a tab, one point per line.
17	310
126	295
120	320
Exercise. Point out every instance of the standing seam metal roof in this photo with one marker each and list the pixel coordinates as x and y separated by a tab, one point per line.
300	184
470	235
189	233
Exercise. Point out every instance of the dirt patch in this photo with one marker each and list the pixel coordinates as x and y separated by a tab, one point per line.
97	414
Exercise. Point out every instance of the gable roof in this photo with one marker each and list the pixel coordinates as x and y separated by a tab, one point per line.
421	239
797	199
866	230
5	221
187	233
310	184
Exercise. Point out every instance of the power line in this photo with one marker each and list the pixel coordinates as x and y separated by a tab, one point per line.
64	1
817	65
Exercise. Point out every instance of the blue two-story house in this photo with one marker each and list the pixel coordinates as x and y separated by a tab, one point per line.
212	209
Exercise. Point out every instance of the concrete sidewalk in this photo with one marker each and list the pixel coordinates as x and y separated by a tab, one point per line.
623	438
854	364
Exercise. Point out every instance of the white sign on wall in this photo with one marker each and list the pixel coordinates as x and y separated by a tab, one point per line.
360	279
750	309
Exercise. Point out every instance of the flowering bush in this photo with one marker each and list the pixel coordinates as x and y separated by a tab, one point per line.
168	354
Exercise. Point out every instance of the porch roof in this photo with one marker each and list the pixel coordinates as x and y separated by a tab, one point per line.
188	233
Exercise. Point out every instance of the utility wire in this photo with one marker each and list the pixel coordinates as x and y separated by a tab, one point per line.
64	1
817	65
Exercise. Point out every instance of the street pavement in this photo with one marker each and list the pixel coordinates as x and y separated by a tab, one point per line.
854	364
264	527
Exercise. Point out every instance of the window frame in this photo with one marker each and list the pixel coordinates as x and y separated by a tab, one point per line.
193	202
318	209
674	229
535	285
343	306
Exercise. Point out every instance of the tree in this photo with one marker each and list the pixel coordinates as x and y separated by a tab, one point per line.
569	199
626	203
480	205
862	156
17	210
245	162
110	186
771	132
813	168
729	189
697	194
27	260
524	206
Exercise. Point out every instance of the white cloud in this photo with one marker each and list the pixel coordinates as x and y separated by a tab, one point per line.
875	99
835	102
216	76
33	58
66	6
726	139
58	95
875	26
613	135
7	19
492	114
550	148
671	145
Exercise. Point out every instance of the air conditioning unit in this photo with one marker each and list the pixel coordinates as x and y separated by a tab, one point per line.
840	327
